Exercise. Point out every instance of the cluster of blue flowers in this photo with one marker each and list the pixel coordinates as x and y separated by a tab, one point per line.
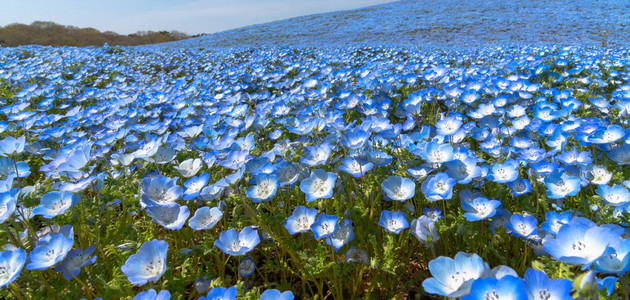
341	173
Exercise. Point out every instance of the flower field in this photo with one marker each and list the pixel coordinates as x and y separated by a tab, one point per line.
340	173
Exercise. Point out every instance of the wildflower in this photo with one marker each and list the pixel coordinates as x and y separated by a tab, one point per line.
480	209
55	203
148	264
205	218
579	244
424	230
319	185
453	277
324	226
74	261
221	293
236	243
51	249
393	222
522	226
276	295
398	188
11	263
438	187
265	188
247	267
508	287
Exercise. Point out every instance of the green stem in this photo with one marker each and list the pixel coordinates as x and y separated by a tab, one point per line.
85	286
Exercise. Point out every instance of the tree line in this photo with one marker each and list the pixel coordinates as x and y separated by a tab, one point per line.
53	34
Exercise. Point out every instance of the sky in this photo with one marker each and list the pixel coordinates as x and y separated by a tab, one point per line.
189	16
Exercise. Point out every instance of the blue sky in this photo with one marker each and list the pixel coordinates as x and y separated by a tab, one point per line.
190	16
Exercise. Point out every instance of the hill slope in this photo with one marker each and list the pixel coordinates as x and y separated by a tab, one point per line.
446	23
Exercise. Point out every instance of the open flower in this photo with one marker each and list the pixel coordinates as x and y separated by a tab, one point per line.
11	263
319	185
398	188
236	243
453	277
148	264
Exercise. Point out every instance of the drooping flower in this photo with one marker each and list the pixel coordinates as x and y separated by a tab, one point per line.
74	261
148	264
236	243
398	188
453	277
424	230
319	185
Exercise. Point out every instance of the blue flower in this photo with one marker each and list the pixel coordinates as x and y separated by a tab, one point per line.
301	220
148	264
153	295
616	195
505	172
617	262
8	167
354	138
8	200
554	221
314	156
265	188
74	261
11	146
205	218
432	213
480	208
236	243
55	203
324	226
424	230
560	185
247	267
379	158
276	295
520	187
354	168
463	170
607	135
319	185
221	293
579	244
11	263
607	283
189	167
438	187
158	190
508	287
453	277
235	159
51	249
522	226
343	234
194	185
398	188
170	217
539	286
393	222
620	154
435	153
448	126
286	172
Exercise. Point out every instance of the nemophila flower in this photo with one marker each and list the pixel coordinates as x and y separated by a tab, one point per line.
508	287
343	234
8	168
287	173
324	226
438	187
194	185
235	159
212	191
480	209
435	153
301	220
51	249
319	185
597	174
616	195
148	264
432	213
398	188
205	218
522	225
453	277
379	158
276	295
158	190
314	156
393	222
520	187
532	155
265	188
608	284
554	221
355	138
574	157
560	185
221	293
77	187
55	203
170	217
247	267
448	125
354	255
74	261
423	228
616	262
75	160
11	263
463	170
153	295
8	201
538	286
11	146
236	243
607	135
620	154
354	167
579	244
505	172
189	167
